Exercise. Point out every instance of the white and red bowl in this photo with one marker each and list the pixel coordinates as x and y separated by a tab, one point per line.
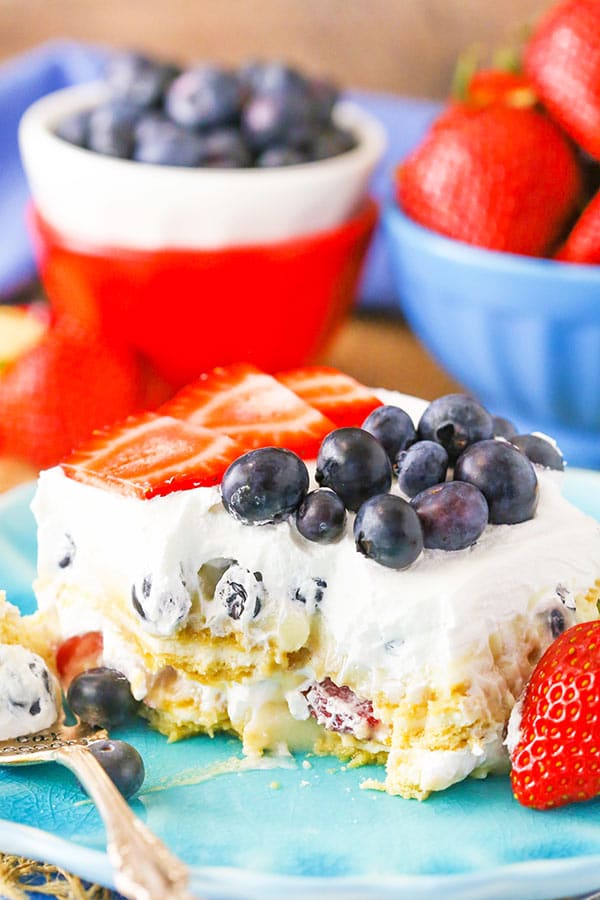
195	267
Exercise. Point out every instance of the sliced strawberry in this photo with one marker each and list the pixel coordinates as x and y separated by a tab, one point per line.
150	455
337	708
252	407
78	654
338	396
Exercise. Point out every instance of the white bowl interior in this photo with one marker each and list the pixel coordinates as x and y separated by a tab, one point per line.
104	201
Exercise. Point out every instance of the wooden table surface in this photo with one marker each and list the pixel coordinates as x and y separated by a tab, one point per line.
377	350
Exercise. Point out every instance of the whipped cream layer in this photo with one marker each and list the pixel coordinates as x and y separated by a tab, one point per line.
27	695
467	624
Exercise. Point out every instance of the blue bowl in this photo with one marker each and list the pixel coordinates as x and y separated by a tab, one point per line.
522	334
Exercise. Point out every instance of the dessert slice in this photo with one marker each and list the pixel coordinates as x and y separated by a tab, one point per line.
340	639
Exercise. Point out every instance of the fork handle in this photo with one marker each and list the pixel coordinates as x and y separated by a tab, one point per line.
144	868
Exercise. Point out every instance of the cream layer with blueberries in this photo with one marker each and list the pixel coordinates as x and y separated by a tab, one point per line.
28	692
370	602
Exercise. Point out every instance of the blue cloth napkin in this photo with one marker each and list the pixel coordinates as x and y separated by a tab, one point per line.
59	64
23	80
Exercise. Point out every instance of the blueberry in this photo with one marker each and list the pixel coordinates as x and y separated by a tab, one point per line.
354	465
387	530
264	486
149	124
392	427
75	128
504	476
324	95
276	156
321	517
112	129
455	421
310	593
503	427
539	450
332	142
122	763
277	119
274	78
67	552
225	148
203	98
236	601
211	572
421	466
163	607
240	591
166	144
556	622
138	80
247	75
101	697
452	515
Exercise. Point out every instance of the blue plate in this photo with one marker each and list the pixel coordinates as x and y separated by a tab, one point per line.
303	828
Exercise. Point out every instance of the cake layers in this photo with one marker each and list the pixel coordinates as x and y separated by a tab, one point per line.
223	625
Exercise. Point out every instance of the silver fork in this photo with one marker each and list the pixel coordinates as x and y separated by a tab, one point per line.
144	868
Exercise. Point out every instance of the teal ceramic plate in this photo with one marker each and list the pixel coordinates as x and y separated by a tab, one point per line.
301	829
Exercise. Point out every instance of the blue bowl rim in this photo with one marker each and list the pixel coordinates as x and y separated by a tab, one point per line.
435	244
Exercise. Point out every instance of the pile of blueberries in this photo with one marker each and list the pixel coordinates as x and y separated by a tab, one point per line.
459	470
264	114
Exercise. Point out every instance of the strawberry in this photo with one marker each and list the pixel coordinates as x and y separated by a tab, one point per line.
338	708
338	396
252	407
583	243
151	455
497	177
58	389
557	757
78	654
562	59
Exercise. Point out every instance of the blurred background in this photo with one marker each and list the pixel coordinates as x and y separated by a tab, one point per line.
396	58
405	46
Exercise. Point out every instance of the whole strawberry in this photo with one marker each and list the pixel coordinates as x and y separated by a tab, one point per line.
562	59
557	757
57	391
499	177
583	243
